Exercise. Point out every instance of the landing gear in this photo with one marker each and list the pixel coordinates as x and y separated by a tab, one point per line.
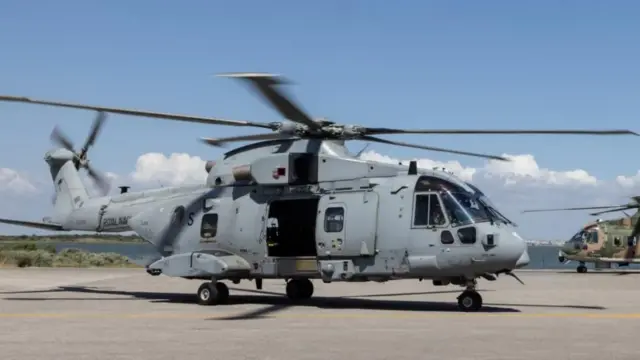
213	293
470	300
299	289
582	268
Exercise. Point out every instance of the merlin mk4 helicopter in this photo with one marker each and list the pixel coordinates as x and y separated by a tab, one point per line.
603	242
297	205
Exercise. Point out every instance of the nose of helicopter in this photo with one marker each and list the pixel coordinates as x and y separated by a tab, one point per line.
523	260
514	251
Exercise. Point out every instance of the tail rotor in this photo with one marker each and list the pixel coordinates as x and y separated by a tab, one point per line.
80	159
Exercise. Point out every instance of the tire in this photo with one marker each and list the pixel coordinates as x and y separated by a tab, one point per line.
299	289
207	294
469	301
223	293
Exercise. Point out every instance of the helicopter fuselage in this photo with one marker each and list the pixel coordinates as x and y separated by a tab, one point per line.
351	232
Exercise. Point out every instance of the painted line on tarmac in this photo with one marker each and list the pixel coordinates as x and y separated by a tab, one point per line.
403	315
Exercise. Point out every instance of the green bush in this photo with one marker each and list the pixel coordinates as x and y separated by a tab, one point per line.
66	258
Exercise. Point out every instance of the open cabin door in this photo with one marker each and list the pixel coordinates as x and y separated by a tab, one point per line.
346	224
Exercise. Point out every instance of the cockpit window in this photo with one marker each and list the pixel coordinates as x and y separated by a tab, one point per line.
428	211
589	236
463	209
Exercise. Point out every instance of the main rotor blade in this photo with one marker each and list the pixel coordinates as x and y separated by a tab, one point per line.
265	85
220	142
33	224
93	134
620	208
380	131
59	138
142	113
572	208
384	141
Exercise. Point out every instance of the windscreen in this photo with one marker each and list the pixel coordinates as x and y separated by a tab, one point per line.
462	207
589	236
482	198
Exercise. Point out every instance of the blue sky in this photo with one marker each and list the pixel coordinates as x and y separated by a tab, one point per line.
413	64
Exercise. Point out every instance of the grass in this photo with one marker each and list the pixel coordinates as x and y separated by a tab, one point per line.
30	254
73	238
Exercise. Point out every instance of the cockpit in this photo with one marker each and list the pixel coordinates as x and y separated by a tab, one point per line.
440	203
581	239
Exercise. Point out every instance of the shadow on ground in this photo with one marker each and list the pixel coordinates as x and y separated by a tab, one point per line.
275	301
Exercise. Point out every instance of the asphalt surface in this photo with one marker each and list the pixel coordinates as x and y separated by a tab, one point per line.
127	314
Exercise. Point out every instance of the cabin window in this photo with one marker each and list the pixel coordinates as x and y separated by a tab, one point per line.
428	211
592	237
446	237
631	241
334	219
616	241
209	227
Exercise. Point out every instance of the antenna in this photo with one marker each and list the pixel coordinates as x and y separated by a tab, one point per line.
413	167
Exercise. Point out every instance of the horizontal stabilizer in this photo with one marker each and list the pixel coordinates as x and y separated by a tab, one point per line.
32	224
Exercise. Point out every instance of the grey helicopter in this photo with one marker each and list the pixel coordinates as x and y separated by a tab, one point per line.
296	204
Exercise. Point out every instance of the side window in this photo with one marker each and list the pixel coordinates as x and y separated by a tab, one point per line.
446	237
616	241
209	227
428	211
593	237
334	219
421	212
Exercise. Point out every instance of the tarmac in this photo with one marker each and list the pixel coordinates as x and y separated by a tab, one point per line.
128	314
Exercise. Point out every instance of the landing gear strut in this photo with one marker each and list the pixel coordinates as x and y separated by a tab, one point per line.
213	293
582	268
299	289
470	299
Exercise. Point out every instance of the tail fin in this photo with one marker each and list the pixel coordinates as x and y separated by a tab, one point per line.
70	192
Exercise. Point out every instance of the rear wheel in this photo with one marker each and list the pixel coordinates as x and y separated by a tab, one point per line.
299	289
469	301
582	269
207	294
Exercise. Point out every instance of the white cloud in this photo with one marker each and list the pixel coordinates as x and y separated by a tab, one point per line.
13	182
178	168
522	169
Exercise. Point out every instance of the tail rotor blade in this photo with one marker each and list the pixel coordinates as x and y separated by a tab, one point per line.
93	134
61	139
100	180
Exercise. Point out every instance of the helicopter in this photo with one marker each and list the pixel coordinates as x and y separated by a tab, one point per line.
603	242
296	204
